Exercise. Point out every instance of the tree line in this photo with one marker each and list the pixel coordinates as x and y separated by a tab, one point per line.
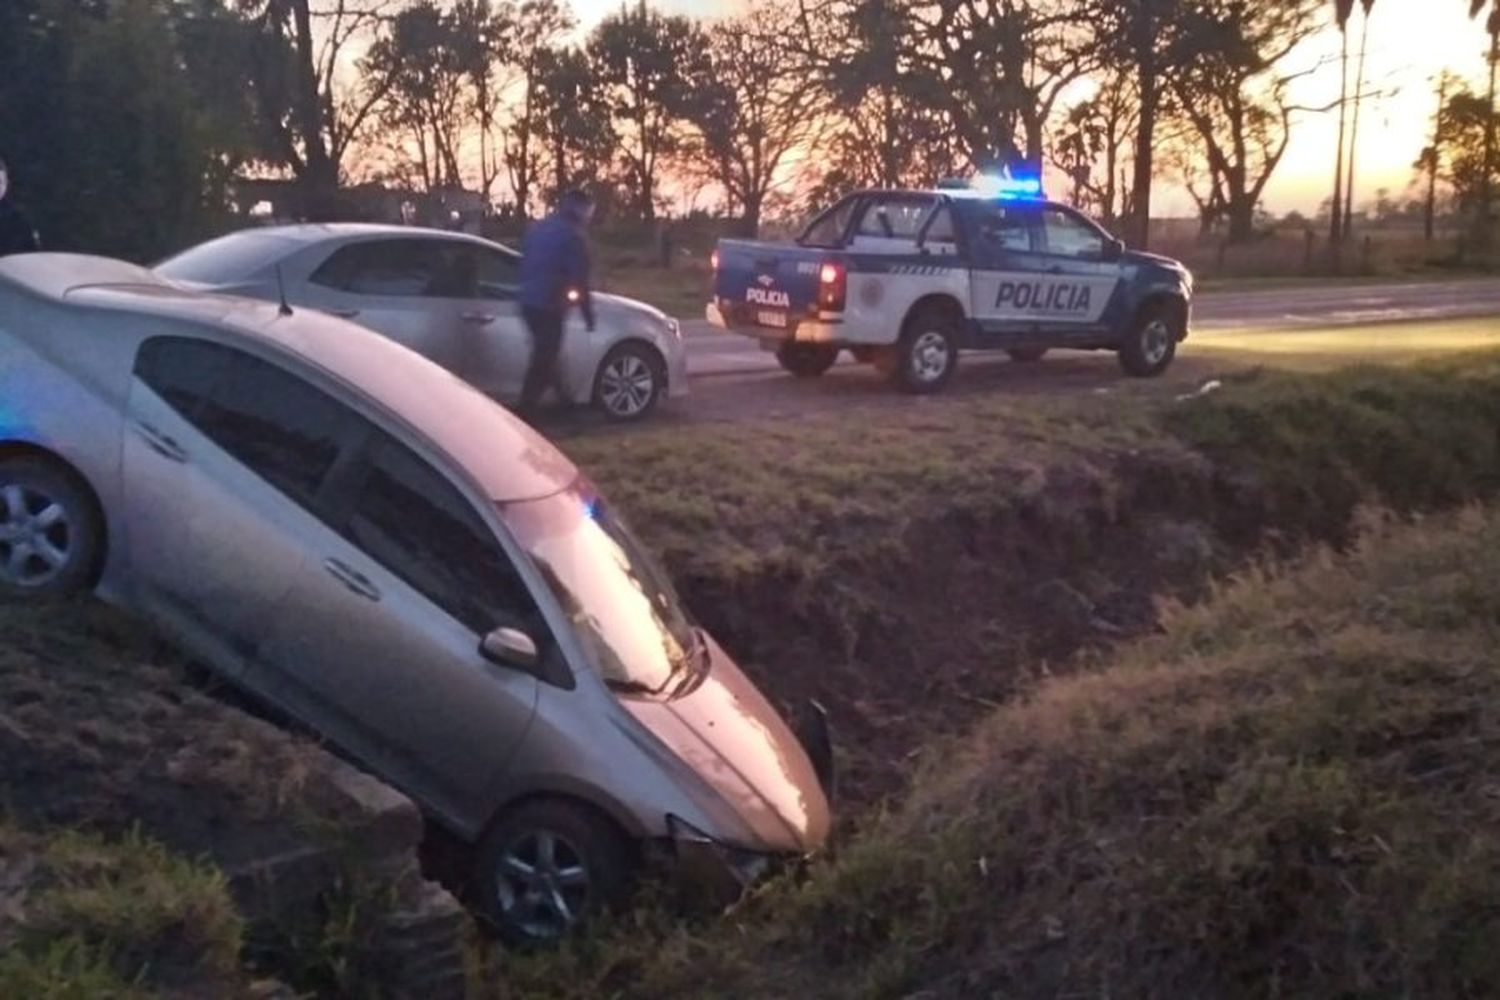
126	120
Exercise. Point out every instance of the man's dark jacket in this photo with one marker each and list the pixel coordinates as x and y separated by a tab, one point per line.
16	234
555	261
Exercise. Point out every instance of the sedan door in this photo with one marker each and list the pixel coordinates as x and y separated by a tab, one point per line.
399	287
379	643
496	346
219	458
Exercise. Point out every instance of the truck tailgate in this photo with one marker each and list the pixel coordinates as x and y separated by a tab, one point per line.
770	286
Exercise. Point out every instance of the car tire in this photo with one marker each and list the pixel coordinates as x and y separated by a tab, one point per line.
1026	355
927	353
1151	344
631	380
806	360
51	530
548	866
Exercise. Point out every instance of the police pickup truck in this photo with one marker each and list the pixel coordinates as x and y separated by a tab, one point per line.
905	280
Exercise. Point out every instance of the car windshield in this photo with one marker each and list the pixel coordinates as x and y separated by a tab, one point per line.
229	258
619	603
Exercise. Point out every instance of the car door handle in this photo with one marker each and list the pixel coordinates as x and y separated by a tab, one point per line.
478	318
344	313
163	444
353	580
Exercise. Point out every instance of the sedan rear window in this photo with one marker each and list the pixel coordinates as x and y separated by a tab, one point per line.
228	259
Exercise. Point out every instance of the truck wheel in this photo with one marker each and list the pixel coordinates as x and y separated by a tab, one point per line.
806	360
1026	355
546	867
1151	344
927	354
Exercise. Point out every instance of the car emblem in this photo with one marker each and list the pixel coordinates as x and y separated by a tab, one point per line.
766	280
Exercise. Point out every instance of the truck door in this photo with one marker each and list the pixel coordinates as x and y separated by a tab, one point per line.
1081	281
1005	266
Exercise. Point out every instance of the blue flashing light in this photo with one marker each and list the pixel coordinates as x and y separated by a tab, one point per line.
1008	187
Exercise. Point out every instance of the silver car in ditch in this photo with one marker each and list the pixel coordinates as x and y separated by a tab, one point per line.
382	553
451	298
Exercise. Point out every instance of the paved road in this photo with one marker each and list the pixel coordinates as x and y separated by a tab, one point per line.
712	352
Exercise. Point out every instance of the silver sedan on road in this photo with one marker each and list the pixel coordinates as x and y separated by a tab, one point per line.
450	297
356	536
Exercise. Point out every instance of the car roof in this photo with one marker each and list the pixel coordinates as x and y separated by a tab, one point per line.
317	232
508	459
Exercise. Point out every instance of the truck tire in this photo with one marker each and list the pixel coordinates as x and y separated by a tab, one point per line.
806	360
1151	344
927	353
1026	355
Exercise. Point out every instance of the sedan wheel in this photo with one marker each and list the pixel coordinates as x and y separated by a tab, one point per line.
630	382
50	533
547	867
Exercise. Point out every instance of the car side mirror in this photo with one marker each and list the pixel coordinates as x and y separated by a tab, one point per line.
511	647
1114	250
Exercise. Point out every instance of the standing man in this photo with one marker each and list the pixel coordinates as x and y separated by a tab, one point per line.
554	275
16	234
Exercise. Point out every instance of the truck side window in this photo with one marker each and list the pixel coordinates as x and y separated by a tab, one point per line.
1070	236
894	217
1006	227
828	229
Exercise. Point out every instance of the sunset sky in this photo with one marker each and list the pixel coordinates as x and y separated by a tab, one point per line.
1410	42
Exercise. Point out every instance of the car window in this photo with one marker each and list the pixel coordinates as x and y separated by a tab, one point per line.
941	229
284	429
233	258
894	217
410	519
499	273
407	268
828	229
1070	236
1001	226
181	371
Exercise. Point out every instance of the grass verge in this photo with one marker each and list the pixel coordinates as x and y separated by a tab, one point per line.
1290	791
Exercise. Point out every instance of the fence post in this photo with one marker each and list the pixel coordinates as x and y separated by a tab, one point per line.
1222	254
1311	242
1367	256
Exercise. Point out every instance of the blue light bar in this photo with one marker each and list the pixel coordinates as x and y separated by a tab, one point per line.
1008	187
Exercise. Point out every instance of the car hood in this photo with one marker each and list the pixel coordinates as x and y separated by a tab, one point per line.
729	734
1141	257
619	305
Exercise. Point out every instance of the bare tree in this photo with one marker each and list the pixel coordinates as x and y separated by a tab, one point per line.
1092	144
1234	93
752	109
311	120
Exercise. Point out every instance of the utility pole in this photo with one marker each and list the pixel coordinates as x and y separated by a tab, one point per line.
1486	214
1359	98
1435	160
1336	226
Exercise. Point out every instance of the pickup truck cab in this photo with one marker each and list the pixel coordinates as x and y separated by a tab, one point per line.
906	279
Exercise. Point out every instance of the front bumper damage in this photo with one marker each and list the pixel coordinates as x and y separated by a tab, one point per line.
709	873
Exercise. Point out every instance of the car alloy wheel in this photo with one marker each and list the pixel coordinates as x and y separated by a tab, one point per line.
542	885
628	385
37	536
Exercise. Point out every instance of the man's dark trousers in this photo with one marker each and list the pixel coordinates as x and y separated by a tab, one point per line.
546	343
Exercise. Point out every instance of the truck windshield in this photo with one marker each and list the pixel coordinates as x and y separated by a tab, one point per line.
828	229
620	604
